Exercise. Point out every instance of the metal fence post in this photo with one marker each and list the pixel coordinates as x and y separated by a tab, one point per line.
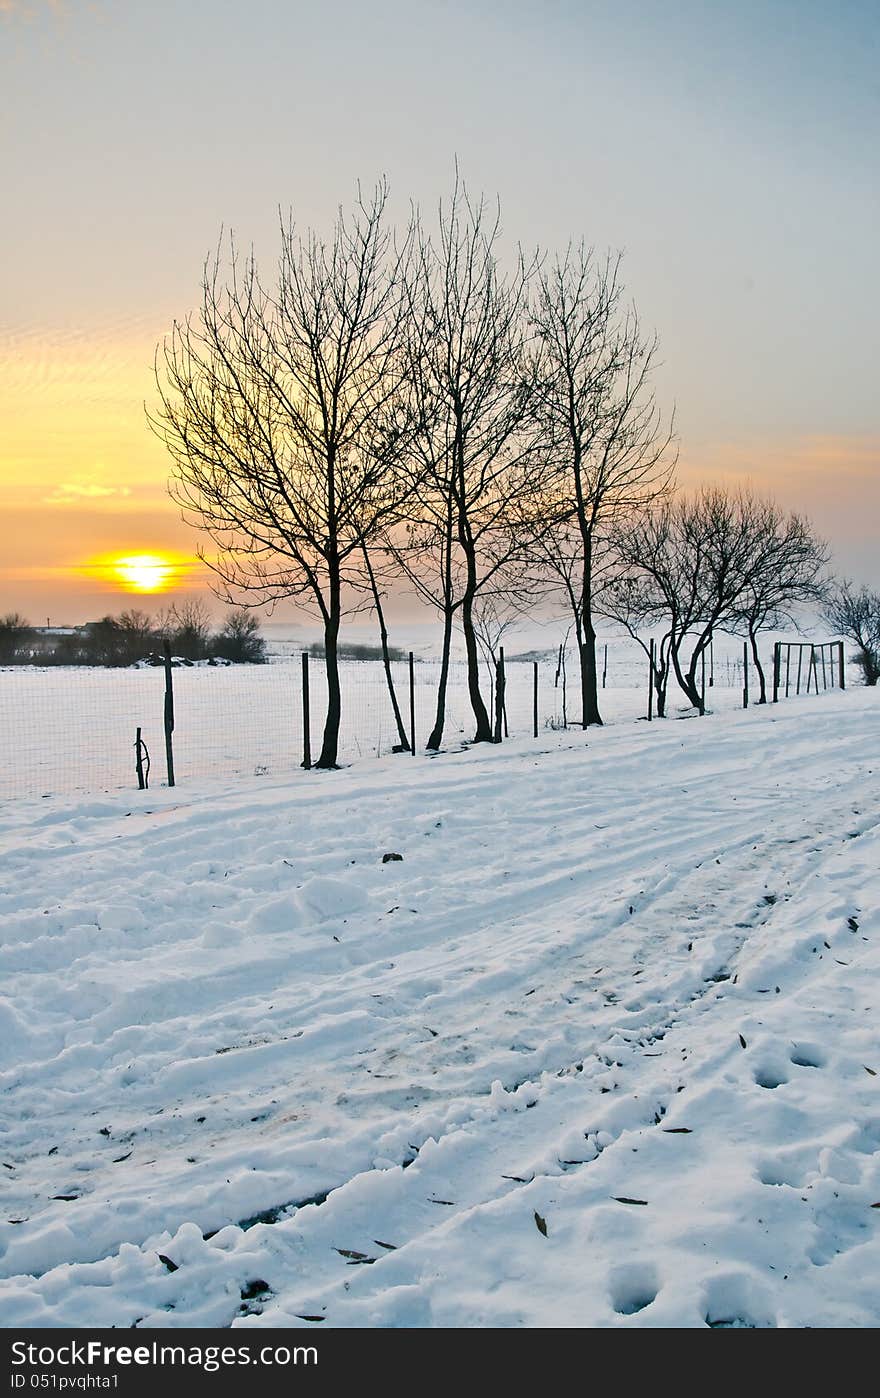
535	700
745	674
307	736
169	714
139	760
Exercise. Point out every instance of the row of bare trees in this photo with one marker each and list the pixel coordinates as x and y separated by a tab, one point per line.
716	560
400	405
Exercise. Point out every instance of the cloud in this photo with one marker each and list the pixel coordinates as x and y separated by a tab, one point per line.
71	492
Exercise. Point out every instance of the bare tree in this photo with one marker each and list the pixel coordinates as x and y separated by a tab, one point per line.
187	625
282	415
635	600
715	560
493	618
854	612
375	583
557	568
476	451
784	571
594	401
686	565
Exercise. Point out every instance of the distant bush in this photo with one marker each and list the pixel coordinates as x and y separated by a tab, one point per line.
239	639
132	638
114	640
15	635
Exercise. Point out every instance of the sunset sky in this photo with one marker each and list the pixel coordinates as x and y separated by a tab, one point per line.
731	150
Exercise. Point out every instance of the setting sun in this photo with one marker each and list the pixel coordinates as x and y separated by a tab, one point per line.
143	572
148	573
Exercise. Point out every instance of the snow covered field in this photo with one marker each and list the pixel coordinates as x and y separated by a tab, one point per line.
602	1048
70	730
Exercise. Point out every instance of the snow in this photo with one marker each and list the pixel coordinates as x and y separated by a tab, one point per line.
68	730
600	1050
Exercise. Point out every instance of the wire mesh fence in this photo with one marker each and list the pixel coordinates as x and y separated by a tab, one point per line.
69	730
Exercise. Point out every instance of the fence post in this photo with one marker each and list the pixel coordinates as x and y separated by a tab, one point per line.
169	715
605	666
651	681
412	704
535	699
840	672
787	667
307	736
499	693
810	666
139	761
776	668
745	674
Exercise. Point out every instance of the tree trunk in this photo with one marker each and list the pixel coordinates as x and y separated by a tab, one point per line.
402	740
660	689
687	682
587	649
693	690
436	736
762	684
330	744
660	680
589	676
483	732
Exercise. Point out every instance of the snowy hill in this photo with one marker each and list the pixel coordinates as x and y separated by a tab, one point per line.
600	1049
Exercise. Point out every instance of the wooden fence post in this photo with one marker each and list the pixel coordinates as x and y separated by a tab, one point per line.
169	715
307	736
412	704
651	681
840	671
745	674
776	668
535	699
